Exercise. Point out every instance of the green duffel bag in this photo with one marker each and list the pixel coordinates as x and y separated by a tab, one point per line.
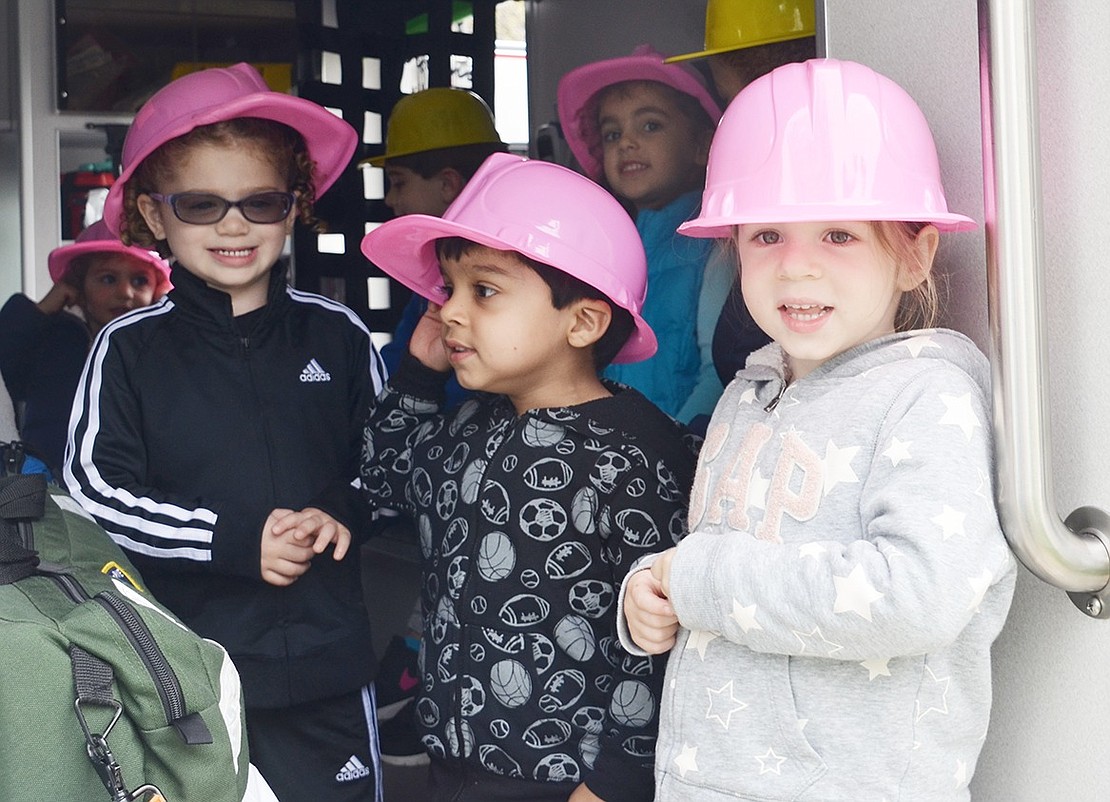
104	694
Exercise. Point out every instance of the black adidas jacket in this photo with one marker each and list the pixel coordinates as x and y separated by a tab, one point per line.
527	526
186	435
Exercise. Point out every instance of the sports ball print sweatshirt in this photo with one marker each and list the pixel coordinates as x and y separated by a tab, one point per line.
527	526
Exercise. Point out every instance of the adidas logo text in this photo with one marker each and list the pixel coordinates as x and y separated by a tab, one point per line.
313	372
354	769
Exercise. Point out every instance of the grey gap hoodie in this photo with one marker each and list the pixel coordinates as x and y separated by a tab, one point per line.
842	584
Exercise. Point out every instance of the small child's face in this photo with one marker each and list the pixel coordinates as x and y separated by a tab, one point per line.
502	332
233	254
114	284
819	289
652	151
411	193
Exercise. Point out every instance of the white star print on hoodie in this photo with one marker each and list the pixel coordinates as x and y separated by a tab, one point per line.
843	581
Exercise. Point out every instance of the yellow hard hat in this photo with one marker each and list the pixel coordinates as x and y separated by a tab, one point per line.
440	117
737	24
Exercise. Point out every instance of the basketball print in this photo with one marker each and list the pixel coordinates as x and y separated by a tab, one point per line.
583	510
575	637
496	557
632	704
510	683
471	481
541	433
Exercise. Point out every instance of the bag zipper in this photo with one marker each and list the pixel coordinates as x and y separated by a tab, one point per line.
140	637
136	630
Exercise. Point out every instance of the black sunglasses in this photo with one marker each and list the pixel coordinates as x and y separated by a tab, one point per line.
204	208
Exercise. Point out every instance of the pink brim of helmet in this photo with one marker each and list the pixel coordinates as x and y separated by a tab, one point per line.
721	227
404	248
61	259
577	90
330	140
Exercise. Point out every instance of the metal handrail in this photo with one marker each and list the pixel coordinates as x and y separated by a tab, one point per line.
1074	554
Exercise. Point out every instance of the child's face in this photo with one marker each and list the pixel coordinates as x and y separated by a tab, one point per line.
504	335
652	151
411	193
114	284
819	289
233	254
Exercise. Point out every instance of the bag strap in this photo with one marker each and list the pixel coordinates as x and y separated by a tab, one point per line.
92	681
22	500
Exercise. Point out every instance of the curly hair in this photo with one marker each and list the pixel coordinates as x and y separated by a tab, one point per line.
283	146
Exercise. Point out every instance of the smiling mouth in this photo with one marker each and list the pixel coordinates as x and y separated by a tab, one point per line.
633	167
238	253
805	312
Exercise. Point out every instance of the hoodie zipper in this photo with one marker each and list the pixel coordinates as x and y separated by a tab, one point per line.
775	401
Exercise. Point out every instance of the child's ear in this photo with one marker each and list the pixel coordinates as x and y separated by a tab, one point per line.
924	251
151	210
590	321
451	183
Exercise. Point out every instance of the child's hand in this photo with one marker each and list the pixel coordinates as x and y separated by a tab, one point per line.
426	343
61	296
284	559
315	525
661	570
651	619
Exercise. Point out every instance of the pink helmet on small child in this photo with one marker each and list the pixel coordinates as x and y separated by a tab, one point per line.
823	140
541	210
98	239
578	89
225	93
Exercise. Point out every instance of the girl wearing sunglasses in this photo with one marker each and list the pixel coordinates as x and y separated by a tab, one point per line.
215	435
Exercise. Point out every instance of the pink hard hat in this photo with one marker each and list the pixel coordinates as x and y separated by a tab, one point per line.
541	210
822	140
225	93
98	239
578	89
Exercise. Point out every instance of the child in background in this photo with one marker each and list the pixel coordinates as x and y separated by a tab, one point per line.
534	497
215	436
43	347
643	128
830	615
435	141
742	42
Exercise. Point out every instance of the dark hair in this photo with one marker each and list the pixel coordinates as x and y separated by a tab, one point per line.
277	142
464	158
565	290
750	63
